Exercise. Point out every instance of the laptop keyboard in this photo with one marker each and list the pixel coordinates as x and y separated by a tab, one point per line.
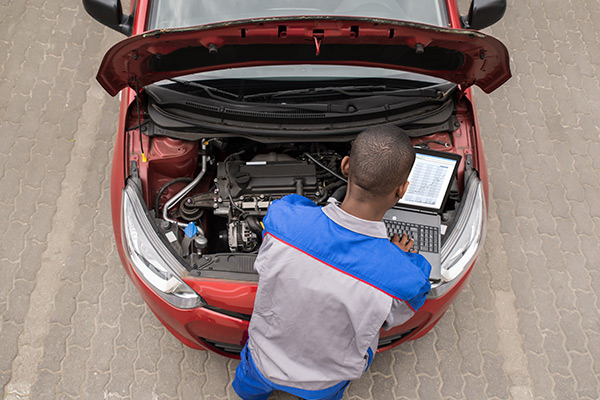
425	236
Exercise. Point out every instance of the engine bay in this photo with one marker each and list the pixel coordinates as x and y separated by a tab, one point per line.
208	197
222	212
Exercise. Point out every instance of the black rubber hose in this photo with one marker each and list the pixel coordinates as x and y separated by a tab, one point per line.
165	187
326	168
340	193
254	225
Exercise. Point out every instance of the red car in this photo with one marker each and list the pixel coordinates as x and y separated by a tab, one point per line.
227	106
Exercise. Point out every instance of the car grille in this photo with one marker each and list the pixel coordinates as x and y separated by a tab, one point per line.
386	341
233	349
236	349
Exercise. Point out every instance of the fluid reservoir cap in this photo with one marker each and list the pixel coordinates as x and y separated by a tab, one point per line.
191	230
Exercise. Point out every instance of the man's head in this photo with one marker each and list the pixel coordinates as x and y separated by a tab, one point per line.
379	164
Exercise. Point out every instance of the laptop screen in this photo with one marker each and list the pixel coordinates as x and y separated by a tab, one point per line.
430	180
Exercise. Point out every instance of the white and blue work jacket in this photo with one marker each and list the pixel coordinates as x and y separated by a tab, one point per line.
328	281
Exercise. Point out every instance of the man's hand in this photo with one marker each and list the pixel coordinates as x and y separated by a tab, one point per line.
403	242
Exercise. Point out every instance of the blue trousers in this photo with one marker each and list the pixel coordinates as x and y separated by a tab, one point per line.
251	384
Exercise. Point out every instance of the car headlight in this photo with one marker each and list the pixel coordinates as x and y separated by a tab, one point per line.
465	241
149	255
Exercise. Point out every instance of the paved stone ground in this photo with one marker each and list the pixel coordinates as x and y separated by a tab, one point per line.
527	325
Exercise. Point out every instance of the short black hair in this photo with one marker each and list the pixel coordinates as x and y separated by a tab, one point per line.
381	159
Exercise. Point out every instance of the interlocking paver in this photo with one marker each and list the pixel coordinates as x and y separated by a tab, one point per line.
587	384
508	221
591	197
121	372
521	285
91	279
110	304
474	387
383	387
565	387
580	278
8	346
102	348
448	362
18	301
217	377
45	385
65	303
73	371
6	285
542	384
129	326
188	387
566	233
95	385
497	384
429	387
585	302
594	348
426	364
55	348
169	373
560	207
469	352
574	190
558	359
571	327
549	318
590	251
143	387
565	298
39	219
404	370
82	330
383	364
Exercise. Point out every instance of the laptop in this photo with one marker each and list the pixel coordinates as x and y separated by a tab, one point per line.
418	213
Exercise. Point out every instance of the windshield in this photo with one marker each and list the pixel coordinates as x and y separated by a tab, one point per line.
181	13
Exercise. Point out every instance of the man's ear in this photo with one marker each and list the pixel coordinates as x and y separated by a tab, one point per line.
402	189
345	165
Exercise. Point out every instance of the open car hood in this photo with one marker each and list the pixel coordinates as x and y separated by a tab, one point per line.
460	56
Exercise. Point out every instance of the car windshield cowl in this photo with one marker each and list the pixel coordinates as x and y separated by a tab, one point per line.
178	114
431	91
330	100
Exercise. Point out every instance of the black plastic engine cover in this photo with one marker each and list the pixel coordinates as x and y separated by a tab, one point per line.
240	178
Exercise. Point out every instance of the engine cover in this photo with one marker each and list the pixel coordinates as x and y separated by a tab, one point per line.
240	178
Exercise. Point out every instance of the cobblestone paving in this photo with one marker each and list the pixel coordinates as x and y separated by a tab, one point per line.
527	325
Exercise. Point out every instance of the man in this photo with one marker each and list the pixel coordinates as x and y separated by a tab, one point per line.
329	279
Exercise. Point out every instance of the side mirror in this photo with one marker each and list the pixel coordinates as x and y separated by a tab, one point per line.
110	13
484	13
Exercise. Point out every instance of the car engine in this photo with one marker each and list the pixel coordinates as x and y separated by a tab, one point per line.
242	191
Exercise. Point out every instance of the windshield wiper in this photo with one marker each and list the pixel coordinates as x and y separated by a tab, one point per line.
436	91
354	100
211	91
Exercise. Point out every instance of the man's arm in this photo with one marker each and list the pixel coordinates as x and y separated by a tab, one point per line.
401	311
399	314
